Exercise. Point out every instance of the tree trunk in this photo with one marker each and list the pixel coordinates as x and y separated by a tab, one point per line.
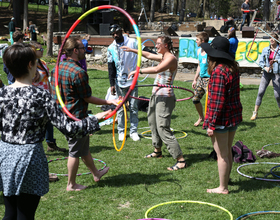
121	4
25	15
130	5
59	15
266	11
50	28
162	8
206	12
10	7
200	12
182	11
17	9
152	12
83	3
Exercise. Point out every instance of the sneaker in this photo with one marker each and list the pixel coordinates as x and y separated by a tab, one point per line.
134	136
121	136
52	147
254	116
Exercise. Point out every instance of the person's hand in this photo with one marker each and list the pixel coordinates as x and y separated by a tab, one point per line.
126	48
102	115
194	84
210	132
113	90
267	69
131	74
114	101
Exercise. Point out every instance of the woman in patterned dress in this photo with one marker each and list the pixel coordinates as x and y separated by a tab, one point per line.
162	101
24	112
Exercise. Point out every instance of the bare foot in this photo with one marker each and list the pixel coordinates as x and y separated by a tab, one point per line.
100	174
198	122
76	187
218	190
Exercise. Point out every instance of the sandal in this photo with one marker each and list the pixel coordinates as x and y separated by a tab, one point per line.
158	155
175	167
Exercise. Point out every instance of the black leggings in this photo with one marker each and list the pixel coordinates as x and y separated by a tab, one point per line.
21	207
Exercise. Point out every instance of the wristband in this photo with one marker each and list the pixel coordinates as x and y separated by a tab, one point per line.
140	72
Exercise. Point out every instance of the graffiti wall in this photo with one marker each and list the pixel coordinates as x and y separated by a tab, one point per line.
188	51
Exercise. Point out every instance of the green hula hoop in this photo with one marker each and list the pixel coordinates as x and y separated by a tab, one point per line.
79	174
189	201
184	134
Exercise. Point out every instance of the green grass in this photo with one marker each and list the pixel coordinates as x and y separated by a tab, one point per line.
134	184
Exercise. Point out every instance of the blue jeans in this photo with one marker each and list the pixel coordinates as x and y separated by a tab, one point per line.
133	110
49	133
245	17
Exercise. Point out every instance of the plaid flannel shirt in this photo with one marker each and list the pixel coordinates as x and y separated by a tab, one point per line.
223	105
73	86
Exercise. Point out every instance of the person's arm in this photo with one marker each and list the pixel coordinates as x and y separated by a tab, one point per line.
146	54
263	62
169	62
197	72
98	101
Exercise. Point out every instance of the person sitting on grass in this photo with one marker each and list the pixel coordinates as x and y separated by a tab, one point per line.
24	112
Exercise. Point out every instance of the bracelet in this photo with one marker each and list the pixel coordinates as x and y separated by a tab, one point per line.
140	72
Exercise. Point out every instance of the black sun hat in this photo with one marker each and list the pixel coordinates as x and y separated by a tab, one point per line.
219	48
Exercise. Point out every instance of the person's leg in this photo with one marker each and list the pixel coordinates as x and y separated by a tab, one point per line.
11	38
276	87
10	208
243	21
120	113
199	109
231	135
164	108
72	166
266	77
248	19
50	140
27	205
91	166
133	105
220	143
157	142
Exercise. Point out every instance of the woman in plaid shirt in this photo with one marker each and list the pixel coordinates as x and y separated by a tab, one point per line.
224	109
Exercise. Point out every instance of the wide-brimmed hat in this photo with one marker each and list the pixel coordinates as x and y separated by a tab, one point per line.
219	48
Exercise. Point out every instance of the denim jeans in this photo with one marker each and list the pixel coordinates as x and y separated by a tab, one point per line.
245	16
49	133
133	110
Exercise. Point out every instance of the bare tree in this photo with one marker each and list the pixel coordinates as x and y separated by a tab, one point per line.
59	15
266	10
50	28
152	12
25	15
182	10
200	12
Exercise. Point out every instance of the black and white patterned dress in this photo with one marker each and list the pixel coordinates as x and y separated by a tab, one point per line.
24	112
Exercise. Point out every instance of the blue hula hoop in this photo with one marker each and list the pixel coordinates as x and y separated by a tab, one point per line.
274	173
256	213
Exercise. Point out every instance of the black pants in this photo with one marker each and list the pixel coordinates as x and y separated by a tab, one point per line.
21	207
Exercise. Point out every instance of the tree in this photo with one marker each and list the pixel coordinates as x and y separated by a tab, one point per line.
25	15
182	10
50	28
152	12
59	15
266	11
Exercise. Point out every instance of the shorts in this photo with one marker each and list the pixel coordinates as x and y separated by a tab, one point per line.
223	129
200	90
78	147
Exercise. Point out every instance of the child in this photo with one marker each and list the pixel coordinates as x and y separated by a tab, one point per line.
201	78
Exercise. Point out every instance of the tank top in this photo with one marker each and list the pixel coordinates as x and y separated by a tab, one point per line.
203	65
165	78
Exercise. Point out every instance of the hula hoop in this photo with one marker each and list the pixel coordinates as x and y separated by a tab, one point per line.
125	129
79	174
152	63
188	201
138	60
165	86
269	145
273	172
257	178
256	213
184	134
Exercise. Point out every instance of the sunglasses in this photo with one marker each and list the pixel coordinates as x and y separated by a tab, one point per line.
40	49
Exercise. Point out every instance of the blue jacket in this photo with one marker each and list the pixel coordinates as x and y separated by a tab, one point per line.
264	60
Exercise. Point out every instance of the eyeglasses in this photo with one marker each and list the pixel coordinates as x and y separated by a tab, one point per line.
40	49
83	48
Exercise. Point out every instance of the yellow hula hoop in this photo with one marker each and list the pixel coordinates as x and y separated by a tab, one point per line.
144	132
206	99
125	129
189	201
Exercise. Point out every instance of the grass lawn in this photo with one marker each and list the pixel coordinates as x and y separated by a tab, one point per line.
134	184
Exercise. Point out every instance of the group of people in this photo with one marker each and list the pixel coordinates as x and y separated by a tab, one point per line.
29	109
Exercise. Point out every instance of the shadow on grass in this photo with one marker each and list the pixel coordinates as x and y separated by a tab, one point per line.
246	125
132	179
253	185
248	89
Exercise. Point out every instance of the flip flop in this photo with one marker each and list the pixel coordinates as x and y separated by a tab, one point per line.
175	167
